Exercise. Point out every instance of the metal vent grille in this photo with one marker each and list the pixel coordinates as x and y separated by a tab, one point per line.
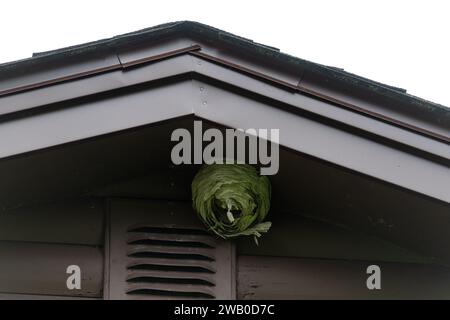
160	251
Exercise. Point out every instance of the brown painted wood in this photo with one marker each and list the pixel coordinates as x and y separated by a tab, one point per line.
71	222
295	236
289	278
38	268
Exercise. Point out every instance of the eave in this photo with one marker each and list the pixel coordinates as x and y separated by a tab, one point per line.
65	100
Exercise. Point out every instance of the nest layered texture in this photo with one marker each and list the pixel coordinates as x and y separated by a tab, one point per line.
232	200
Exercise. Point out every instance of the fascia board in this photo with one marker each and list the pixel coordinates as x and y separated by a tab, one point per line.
393	110
342	148
95	118
107	55
140	55
325	142
100	83
184	64
131	53
63	125
439	131
314	106
26	76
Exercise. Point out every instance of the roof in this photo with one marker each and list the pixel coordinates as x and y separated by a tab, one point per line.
190	27
57	97
88	115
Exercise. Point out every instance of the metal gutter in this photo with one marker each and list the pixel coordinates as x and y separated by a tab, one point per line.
112	78
322	111
195	51
97	71
240	45
321	96
161	56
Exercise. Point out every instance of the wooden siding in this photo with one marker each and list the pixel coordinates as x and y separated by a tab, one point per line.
38	243
294	278
71	222
37	268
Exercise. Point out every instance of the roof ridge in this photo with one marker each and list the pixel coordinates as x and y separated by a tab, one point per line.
188	27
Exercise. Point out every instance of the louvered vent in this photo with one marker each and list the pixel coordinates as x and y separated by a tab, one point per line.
161	251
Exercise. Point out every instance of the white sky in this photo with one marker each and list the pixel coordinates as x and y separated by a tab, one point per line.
401	43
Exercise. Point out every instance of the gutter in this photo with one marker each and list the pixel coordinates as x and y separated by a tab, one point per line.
195	50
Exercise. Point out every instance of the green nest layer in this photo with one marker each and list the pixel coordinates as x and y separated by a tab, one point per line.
232	200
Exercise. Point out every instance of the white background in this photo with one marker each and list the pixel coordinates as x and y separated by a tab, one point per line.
401	43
